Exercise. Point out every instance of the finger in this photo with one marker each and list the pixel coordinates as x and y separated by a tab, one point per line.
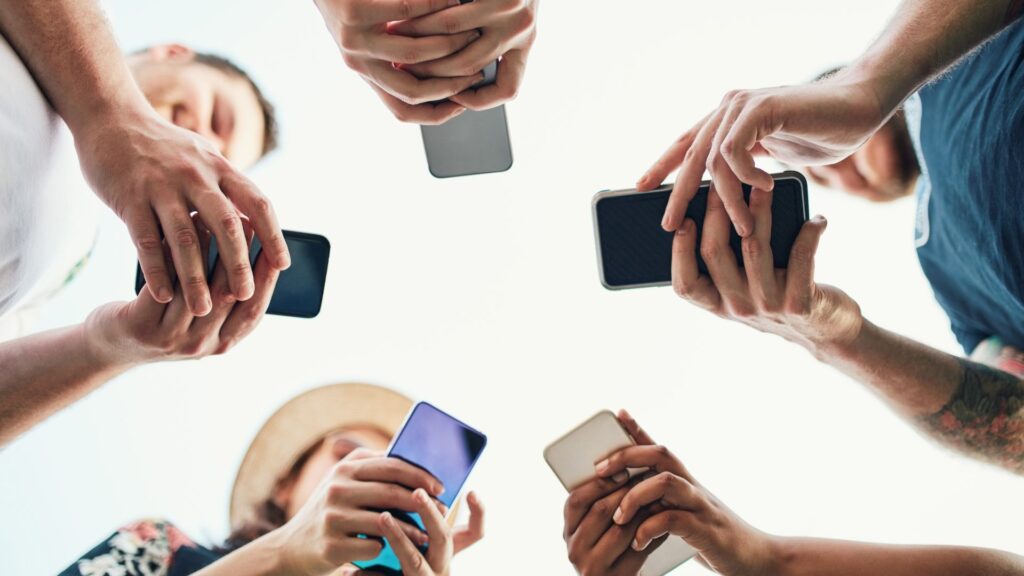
597	521
720	259
466	62
459	18
681	523
441	546
207	329
412	90
616	541
145	232
260	212
582	498
633	560
505	88
398	472
427	114
800	271
360	548
741	143
758	260
355	522
668	161
687	282
412	562
690	173
630	424
405	50
378	495
465	536
658	458
364	12
674	491
246	316
728	186
226	225
188	262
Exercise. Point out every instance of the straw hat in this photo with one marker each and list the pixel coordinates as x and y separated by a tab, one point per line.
300	423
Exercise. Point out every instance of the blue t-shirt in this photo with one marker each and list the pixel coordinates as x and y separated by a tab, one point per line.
968	128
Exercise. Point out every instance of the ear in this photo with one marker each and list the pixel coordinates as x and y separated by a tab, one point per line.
283	492
171	53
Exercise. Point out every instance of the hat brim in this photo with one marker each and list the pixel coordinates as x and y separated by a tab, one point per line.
300	423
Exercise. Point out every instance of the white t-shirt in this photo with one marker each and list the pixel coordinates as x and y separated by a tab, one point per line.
48	215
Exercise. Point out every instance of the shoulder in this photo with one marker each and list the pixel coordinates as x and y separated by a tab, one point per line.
141	547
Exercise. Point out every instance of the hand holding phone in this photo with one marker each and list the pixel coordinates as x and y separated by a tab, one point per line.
634	250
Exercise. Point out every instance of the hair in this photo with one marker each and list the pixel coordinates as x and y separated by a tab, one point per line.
270	126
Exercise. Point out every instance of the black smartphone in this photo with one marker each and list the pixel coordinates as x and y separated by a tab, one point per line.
300	288
633	251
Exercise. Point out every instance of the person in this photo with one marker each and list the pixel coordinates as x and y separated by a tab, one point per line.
423	58
968	125
615	521
312	481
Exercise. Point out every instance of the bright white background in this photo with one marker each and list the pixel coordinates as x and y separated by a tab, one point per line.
481	295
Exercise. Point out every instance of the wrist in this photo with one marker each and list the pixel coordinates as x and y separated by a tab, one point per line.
274	549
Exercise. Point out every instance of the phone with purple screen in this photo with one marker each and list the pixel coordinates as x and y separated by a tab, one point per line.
440	444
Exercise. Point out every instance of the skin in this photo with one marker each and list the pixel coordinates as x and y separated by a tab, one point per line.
151	173
668	500
422	57
46	372
336	495
222	108
877	171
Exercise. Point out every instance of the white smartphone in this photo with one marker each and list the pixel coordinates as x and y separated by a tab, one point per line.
573	457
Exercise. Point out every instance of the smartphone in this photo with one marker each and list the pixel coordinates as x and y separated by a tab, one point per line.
443	446
300	289
572	458
633	251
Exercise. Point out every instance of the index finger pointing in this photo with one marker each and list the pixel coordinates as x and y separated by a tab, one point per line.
257	207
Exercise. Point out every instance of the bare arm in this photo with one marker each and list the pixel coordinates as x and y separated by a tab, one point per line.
806	556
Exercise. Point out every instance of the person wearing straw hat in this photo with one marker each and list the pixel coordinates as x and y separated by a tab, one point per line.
313	480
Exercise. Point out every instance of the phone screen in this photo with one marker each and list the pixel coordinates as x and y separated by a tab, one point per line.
440	444
635	251
300	288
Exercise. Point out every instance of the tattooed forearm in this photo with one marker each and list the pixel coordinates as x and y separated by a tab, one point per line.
985	416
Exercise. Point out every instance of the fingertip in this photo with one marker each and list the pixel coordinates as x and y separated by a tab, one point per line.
163	295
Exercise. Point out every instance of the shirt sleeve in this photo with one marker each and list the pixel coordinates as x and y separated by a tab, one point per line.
144	548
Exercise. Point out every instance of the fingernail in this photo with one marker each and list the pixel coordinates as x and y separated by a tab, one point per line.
602	466
164	294
743	230
438	489
620	477
474	35
637	546
388	520
452	3
665	221
617	517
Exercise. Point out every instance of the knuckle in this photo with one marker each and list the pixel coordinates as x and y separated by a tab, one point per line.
662	451
185	237
682	288
262	207
411	56
195	281
801	255
148	243
450	24
753	247
351	60
231	224
225	345
602	507
710	251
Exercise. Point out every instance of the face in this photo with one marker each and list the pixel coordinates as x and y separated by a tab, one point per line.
329	452
219	106
884	169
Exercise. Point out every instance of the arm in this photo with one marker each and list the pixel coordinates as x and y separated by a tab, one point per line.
151	173
963	404
732	547
822	122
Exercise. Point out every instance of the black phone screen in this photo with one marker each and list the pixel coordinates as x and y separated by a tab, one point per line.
635	251
300	288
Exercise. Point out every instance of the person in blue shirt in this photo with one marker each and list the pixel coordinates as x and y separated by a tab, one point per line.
935	104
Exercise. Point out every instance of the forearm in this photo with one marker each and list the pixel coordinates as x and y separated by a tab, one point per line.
802	556
261	557
926	37
72	53
965	405
44	373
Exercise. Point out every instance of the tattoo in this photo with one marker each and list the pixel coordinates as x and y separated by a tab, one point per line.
985	416
1014	11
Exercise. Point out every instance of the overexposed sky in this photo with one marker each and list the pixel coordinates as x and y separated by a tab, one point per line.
481	295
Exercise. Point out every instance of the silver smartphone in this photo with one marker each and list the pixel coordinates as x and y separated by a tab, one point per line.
472	142
573	457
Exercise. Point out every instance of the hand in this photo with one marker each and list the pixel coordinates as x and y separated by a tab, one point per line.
323	535
144	330
814	124
154	175
784	302
684	508
360	28
508	29
437	561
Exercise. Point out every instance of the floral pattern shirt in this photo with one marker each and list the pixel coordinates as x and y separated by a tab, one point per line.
144	548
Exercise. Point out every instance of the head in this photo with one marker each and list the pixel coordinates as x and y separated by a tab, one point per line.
210	96
884	168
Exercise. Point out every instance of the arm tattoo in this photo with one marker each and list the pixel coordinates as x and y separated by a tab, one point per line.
985	416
